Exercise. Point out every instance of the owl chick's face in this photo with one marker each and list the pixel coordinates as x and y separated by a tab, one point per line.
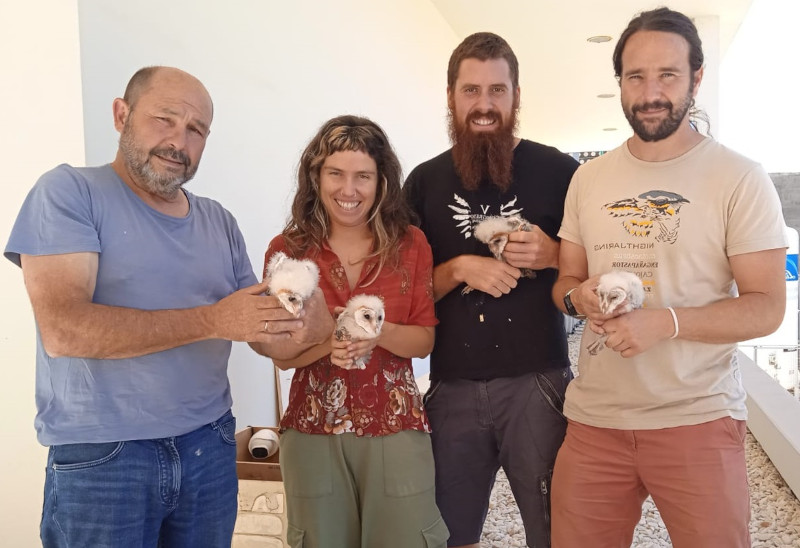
620	291
494	232
611	299
291	281
291	301
370	320
497	244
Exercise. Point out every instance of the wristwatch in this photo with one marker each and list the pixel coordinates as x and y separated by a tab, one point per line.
571	310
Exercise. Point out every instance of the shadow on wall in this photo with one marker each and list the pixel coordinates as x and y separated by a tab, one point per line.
788	186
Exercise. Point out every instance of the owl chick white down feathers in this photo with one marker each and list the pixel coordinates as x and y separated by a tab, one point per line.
494	231
617	290
362	318
291	280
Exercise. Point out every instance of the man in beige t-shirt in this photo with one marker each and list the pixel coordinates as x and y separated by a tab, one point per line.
661	409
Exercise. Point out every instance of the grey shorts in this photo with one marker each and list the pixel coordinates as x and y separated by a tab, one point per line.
479	426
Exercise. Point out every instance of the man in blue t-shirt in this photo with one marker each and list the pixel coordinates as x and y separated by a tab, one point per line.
138	288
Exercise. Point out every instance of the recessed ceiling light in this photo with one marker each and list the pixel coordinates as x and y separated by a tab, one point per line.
605	95
609	129
600	38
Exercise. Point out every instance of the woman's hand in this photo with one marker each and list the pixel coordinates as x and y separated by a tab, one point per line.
346	354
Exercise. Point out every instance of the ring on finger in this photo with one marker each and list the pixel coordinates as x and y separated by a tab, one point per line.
266	325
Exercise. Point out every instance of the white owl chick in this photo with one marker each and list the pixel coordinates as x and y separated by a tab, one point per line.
494	231
362	318
618	290
291	280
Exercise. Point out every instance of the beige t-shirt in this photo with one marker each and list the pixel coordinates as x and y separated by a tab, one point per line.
674	224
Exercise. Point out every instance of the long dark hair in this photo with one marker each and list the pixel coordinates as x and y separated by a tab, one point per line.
665	20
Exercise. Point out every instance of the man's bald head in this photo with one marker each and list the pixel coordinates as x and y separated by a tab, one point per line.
146	77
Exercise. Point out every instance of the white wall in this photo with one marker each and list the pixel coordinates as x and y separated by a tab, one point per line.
759	84
40	126
276	72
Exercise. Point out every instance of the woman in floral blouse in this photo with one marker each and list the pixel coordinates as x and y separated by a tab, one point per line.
356	456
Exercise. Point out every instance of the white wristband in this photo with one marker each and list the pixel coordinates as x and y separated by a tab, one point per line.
674	322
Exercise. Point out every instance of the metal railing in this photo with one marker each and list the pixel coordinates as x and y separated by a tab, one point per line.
776	366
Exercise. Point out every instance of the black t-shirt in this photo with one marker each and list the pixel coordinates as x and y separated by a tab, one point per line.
480	336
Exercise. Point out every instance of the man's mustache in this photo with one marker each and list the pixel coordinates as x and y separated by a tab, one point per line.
172	154
652	105
491	114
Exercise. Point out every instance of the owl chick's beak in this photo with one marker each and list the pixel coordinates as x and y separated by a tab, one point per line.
291	301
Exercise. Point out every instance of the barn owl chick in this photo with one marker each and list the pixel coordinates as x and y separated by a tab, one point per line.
362	318
291	280
617	290
494	231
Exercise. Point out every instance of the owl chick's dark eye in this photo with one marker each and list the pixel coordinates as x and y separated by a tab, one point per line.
293	299
367	316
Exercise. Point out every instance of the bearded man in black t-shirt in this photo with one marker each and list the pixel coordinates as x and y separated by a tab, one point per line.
499	368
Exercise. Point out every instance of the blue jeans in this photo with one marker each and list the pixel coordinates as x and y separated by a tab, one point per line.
171	492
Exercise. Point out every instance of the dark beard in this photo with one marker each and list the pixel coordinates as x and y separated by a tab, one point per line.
667	126
483	156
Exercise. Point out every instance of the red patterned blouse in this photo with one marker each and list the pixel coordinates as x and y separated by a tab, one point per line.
383	398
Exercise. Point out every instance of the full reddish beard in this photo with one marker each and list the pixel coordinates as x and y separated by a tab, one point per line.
486	155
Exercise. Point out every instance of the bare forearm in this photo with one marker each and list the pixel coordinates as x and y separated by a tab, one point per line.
571	274
304	358
107	332
553	248
732	320
444	278
560	288
407	341
757	311
285	349
61	289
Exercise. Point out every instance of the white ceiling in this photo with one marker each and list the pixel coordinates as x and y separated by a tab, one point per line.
561	73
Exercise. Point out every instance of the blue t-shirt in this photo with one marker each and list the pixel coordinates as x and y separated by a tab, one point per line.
147	260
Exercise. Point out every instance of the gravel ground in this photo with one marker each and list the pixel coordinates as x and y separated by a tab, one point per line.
775	521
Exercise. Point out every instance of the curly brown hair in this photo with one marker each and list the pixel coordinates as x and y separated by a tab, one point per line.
389	217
